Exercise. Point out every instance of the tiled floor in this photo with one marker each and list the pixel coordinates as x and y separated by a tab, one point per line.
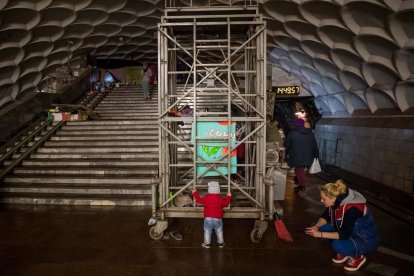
53	240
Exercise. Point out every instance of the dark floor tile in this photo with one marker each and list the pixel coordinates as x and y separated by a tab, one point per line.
82	240
270	270
201	258
176	270
73	269
124	256
282	258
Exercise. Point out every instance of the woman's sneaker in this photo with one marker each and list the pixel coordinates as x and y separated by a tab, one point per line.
205	245
355	263
221	245
340	259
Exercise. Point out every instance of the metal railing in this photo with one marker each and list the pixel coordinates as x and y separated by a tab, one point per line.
32	131
210	3
60	79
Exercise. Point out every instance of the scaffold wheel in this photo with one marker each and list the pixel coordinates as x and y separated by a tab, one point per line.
255	235
154	234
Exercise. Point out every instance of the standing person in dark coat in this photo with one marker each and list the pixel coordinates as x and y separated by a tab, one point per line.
301	149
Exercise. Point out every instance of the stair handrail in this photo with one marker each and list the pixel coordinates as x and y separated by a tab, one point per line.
34	147
98	100
24	141
25	131
37	144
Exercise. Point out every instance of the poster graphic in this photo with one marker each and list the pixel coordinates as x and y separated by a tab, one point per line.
210	150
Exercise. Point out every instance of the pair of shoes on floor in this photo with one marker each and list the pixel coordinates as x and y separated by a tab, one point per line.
353	264
176	235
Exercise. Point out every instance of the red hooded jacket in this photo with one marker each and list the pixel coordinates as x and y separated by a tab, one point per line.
213	204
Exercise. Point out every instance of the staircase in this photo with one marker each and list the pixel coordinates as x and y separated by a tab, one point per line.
109	161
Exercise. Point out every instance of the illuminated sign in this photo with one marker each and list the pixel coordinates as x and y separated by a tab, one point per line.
286	90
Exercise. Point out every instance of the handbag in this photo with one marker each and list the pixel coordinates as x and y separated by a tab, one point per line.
316	167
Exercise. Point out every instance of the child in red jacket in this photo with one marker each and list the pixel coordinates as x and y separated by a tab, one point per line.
213	212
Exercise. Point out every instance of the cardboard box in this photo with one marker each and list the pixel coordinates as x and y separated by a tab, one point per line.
61	116
67	116
81	116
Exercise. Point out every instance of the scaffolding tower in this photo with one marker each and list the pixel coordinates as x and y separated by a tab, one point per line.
212	104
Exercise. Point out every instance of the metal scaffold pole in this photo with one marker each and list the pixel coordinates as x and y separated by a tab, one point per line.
212	111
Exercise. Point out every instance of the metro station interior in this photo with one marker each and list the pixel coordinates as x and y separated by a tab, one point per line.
96	177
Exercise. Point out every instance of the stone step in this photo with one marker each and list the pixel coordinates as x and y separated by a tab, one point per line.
128	112
67	136
104	138
79	199
142	156
99	143
128	115
136	102
130	97
122	117
148	107
85	163
109	127
108	132
133	106
78	180
130	94
92	171
137	92
109	122
97	150
100	190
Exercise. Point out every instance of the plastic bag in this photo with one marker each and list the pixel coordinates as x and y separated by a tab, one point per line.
316	167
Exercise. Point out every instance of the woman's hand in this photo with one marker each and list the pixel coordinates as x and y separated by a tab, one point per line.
312	227
313	231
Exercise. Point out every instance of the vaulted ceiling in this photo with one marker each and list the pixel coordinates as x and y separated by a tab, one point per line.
350	54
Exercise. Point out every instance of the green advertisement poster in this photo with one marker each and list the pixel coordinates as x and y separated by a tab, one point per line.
215	150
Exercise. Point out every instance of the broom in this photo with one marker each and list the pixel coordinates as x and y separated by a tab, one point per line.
281	229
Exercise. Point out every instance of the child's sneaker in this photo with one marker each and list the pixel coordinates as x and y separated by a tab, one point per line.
355	263
205	245
339	259
221	245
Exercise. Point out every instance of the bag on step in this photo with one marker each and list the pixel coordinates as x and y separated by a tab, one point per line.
316	167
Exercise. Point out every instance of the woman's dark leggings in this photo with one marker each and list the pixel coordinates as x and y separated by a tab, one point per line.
300	175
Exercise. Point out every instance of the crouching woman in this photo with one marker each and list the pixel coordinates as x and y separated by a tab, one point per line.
348	223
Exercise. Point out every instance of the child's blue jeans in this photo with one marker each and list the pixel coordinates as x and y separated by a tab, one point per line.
209	225
343	247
